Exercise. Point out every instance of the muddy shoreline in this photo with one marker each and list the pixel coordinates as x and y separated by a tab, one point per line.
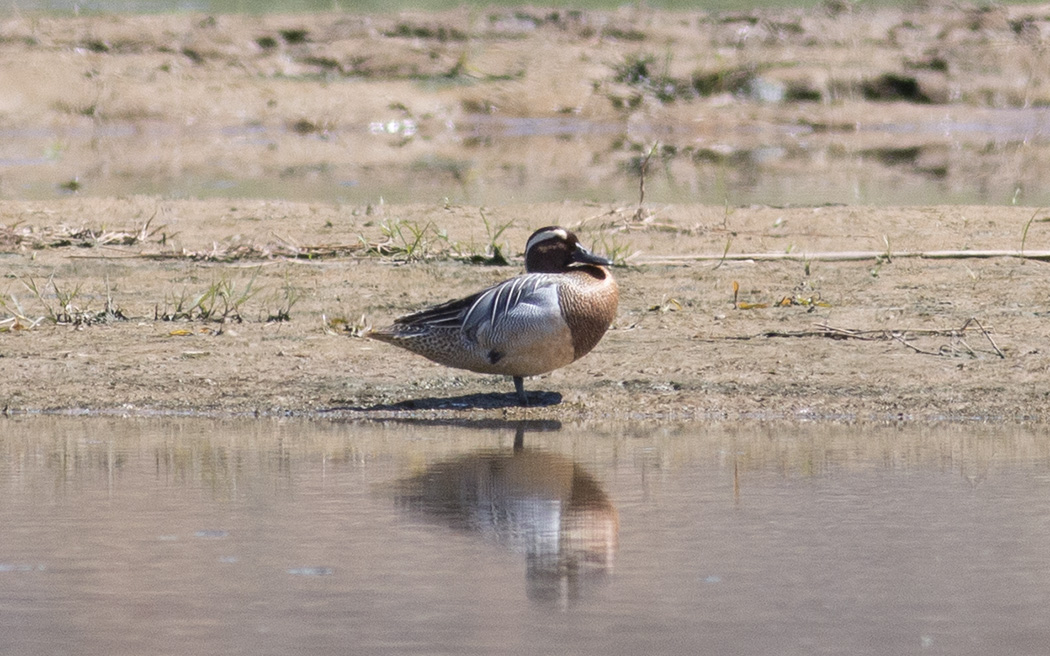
884	339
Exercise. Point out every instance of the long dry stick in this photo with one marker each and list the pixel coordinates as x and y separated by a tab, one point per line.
841	256
288	248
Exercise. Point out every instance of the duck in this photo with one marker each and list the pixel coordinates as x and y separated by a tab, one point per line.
532	324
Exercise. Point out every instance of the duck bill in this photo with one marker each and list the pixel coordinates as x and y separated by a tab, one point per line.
584	256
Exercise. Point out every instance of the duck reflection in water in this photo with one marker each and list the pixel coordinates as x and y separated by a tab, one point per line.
535	502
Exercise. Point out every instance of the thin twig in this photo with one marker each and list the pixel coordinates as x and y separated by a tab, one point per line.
897	337
616	211
986	334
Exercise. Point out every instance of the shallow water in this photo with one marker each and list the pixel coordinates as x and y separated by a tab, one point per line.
1000	159
161	536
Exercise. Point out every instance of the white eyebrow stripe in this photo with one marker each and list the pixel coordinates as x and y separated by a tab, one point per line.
558	233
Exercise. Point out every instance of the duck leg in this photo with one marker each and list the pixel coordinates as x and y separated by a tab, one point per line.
519	387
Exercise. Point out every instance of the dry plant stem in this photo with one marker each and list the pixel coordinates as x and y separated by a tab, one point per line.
986	334
1027	225
722	260
898	337
616	211
639	214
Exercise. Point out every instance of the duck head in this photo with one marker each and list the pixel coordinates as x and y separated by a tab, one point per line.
555	250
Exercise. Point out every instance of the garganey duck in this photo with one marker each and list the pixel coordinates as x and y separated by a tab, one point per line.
535	323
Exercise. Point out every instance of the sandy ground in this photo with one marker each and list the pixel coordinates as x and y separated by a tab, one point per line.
881	338
115	304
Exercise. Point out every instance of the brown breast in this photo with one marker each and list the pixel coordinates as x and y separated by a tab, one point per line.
589	299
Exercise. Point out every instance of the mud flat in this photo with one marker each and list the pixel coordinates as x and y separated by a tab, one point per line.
176	306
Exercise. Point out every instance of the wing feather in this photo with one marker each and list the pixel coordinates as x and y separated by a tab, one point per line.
487	311
509	301
449	313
